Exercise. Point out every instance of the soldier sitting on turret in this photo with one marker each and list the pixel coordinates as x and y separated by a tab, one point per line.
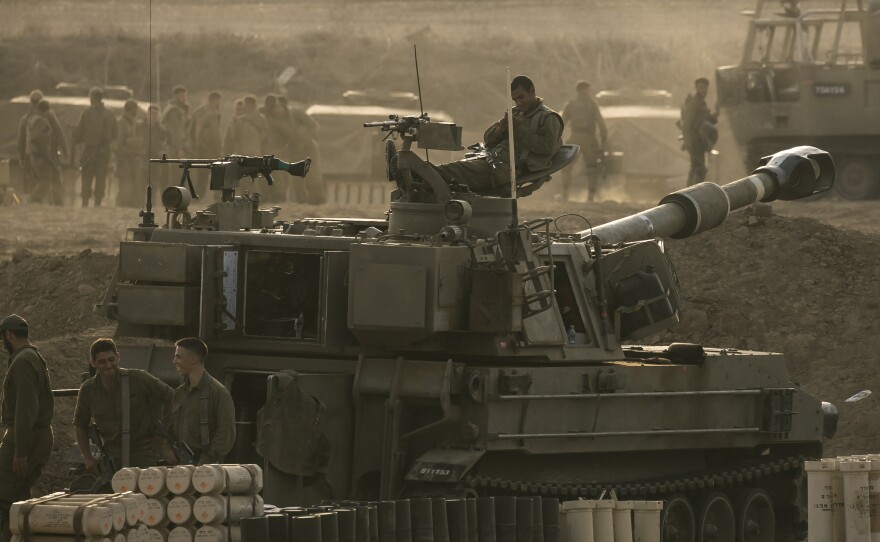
537	132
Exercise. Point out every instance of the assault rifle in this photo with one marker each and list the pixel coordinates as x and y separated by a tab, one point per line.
106	465
184	454
89	483
226	172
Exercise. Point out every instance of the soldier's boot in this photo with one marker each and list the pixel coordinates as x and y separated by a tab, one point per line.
85	201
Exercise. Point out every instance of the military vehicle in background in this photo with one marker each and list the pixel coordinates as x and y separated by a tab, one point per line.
450	348
810	77
644	156
357	172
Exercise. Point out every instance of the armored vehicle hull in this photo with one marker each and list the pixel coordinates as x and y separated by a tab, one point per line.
434	354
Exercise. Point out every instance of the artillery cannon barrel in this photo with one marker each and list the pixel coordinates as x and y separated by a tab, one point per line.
788	175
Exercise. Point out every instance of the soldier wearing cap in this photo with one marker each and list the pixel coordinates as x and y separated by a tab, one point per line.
588	131
26	411
96	130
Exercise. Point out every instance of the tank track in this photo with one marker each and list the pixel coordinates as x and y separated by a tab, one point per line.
729	478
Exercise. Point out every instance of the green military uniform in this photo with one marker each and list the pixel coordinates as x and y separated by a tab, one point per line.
59	142
55	143
97	130
204	133
537	139
149	400
157	139
304	144
187	413
249	134
174	118
43	159
583	117
129	166
694	117
278	135
26	412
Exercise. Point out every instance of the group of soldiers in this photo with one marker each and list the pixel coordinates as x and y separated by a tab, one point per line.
538	130
589	132
128	406
129	141
274	128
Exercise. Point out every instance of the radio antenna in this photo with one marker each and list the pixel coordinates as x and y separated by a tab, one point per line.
419	85
418	79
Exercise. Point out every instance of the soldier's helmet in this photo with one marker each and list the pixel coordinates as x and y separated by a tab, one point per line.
36	96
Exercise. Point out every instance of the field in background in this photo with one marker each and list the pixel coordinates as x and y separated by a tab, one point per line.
614	44
464	48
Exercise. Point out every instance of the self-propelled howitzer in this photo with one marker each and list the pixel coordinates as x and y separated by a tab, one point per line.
453	350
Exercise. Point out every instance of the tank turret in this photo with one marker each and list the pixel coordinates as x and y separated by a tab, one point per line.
453	349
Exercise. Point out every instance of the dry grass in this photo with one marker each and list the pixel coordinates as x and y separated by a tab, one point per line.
464	47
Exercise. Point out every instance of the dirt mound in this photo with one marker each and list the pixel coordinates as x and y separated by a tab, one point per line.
795	286
56	294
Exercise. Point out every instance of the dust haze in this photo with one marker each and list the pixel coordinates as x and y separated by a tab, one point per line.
732	279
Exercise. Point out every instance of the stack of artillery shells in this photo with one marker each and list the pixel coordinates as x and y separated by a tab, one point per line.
227	494
187	503
59	517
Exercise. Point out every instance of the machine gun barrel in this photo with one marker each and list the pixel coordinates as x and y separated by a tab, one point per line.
787	175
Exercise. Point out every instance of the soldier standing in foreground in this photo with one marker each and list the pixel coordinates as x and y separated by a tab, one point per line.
26	411
174	118
42	155
125	404
697	127
97	130
537	138
202	413
582	114
205	135
129	151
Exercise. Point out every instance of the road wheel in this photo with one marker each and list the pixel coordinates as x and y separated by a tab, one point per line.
755	519
717	521
677	521
857	179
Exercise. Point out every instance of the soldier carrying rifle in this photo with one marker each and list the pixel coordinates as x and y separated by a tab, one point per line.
124	403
